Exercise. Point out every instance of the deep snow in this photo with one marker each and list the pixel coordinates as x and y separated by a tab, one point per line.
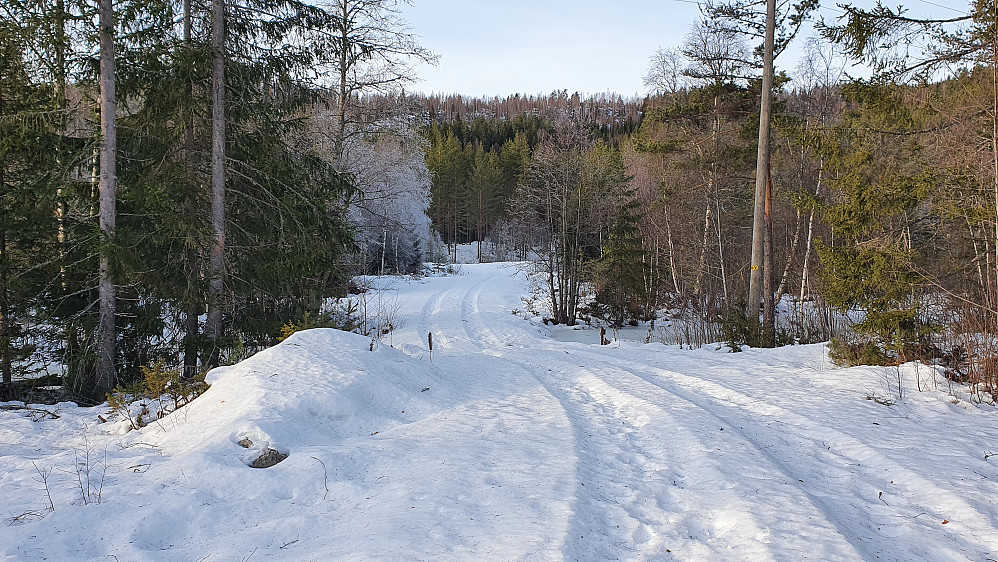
512	445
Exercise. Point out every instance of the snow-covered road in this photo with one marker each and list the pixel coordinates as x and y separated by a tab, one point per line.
511	445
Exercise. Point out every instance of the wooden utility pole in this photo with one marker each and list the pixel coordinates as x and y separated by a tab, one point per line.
762	164
108	182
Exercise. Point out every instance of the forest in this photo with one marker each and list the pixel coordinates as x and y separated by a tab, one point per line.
185	183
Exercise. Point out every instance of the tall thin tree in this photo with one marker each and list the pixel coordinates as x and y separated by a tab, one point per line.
107	186
216	265
191	327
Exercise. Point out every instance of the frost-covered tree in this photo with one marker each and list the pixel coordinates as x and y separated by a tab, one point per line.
389	211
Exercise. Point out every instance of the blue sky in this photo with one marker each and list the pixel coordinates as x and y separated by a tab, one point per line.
498	48
533	47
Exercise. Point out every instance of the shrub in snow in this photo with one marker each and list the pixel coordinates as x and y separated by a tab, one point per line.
163	388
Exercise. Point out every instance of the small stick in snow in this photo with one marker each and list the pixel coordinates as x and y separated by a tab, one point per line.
325	483
429	340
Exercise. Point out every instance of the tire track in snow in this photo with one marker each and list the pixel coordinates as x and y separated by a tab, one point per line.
775	442
460	355
430	309
637	496
779	491
630	524
863	533
874	473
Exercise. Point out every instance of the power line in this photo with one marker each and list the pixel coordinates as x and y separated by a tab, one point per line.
940	6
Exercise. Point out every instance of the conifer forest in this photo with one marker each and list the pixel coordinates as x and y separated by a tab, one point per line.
183	183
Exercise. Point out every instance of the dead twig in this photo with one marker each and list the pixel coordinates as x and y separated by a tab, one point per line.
37	414
325	478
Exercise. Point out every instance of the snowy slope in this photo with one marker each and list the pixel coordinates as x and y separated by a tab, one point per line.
510	445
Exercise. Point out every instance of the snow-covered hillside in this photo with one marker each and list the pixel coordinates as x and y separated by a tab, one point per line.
510	445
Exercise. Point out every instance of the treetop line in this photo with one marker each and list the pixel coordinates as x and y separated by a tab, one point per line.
166	161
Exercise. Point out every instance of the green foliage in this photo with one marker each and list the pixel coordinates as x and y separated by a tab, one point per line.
621	271
308	322
286	203
738	329
875	206
475	168
165	387
858	351
32	157
879	281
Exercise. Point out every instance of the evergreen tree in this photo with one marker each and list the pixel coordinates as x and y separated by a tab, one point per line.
620	270
28	179
875	205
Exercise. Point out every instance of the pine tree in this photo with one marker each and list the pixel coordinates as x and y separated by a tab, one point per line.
107	335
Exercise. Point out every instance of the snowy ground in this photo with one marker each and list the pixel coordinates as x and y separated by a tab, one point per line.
511	445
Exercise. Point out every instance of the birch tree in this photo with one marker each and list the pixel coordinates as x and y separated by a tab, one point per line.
375	52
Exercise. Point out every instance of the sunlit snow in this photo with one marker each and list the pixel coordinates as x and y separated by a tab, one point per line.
509	444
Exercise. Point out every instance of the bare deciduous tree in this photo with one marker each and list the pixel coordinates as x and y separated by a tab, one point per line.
375	52
665	72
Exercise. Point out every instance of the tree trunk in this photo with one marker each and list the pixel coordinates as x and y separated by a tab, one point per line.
768	307
714	192
762	163
216	264
672	255
810	236
5	331
60	84
479	226
191	327
108	179
697	286
344	93
994	141
384	247
6	371
785	277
